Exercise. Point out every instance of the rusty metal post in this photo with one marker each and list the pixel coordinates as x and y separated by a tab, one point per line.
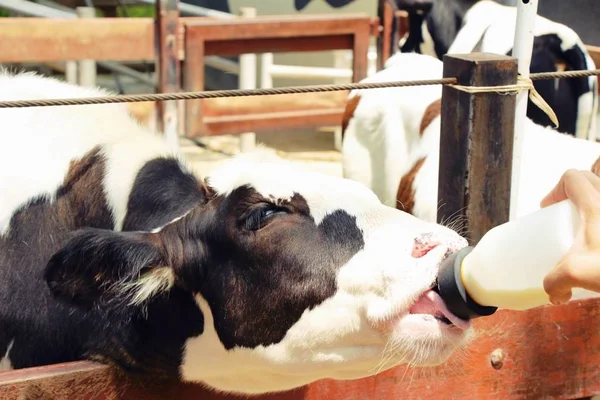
385	12
476	143
247	79
167	67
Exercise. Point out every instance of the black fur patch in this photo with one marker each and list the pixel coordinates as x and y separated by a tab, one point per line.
161	192
265	280
44	330
563	99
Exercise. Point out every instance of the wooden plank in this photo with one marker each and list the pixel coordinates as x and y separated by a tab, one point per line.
39	39
545	353
270	34
360	53
271	121
42	40
85	380
193	75
274	103
278	26
168	68
234	46
234	115
476	144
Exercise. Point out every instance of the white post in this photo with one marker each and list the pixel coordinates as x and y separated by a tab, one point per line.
71	72
86	68
522	50
340	61
247	80
266	78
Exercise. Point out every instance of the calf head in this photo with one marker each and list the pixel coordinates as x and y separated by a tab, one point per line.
283	277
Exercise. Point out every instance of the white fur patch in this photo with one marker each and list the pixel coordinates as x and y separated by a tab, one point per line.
382	141
280	179
51	137
158	280
500	22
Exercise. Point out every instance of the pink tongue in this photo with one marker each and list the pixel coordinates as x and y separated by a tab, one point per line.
431	303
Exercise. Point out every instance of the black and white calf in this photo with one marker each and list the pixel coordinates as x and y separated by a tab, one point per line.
262	278
439	27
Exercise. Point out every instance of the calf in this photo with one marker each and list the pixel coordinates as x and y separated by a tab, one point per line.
262	278
392	139
439	27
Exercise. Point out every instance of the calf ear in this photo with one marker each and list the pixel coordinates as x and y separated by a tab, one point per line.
102	265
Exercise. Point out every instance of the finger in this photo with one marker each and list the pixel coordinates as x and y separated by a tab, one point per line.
558	300
592	178
577	187
575	270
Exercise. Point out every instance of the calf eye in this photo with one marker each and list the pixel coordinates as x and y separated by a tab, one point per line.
260	217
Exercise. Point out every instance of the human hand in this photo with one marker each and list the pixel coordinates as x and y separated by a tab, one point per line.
580	267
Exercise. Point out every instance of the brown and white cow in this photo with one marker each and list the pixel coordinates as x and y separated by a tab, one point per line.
262	278
392	137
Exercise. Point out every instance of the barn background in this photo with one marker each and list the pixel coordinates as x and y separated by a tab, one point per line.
314	148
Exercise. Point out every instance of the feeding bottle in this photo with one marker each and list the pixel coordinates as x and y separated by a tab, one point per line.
506	269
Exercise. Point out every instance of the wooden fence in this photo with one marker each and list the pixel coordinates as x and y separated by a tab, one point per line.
193	38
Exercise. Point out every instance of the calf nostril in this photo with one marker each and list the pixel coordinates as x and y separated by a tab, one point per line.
423	245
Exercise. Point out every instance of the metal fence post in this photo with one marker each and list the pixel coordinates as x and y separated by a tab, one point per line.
476	143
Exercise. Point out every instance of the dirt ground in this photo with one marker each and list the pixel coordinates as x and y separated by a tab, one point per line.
311	149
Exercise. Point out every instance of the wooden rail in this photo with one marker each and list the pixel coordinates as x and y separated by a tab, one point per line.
546	353
41	39
270	34
133	39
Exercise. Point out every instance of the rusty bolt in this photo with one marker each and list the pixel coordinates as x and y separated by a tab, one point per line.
497	358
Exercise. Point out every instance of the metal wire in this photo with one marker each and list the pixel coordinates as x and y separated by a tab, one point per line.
565	74
264	92
218	93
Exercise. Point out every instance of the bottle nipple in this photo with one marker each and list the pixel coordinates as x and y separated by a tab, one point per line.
452	290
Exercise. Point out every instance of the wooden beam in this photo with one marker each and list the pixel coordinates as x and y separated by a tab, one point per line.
537	354
273	33
279	26
193	75
476	142
43	40
235	45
